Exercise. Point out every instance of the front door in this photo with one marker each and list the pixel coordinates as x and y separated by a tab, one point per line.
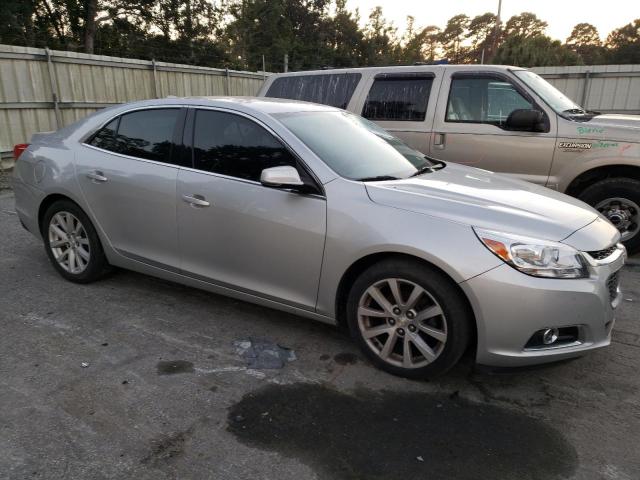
128	180
469	127
237	233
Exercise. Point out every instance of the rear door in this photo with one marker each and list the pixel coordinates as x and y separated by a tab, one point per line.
127	173
237	233
469	126
403	103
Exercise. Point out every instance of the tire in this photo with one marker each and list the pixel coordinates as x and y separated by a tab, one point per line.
439	316
78	256
625	214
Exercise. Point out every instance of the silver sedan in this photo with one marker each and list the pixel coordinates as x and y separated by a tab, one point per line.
315	211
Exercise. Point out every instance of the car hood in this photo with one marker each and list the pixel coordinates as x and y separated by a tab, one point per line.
622	128
484	199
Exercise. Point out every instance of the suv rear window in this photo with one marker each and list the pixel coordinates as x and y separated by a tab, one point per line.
397	98
335	90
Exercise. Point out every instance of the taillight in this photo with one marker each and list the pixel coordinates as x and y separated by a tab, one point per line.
18	149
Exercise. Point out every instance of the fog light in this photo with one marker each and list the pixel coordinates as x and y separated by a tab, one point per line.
550	335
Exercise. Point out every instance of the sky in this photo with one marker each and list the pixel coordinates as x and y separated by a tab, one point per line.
561	15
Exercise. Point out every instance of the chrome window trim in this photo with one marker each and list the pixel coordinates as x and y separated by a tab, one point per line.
129	157
179	167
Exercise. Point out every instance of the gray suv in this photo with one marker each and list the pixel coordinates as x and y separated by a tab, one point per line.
504	119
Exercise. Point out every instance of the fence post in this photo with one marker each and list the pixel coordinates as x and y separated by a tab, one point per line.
54	87
227	88
155	80
585	88
286	63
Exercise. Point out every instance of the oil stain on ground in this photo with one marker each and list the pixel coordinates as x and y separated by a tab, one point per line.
391	435
174	366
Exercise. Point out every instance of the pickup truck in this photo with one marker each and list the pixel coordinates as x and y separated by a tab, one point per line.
500	118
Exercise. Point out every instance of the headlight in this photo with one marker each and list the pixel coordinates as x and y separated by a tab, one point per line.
540	258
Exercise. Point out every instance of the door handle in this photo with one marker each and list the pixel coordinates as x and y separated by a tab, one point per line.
97	176
439	140
195	200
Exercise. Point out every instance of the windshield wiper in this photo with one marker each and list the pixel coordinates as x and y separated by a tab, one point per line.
422	170
575	111
379	178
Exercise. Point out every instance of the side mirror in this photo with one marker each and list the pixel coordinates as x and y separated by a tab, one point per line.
526	120
281	177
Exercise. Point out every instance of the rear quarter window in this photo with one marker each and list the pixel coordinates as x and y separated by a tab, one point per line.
394	98
335	90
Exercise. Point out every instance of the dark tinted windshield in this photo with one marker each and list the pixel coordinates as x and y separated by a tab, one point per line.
353	147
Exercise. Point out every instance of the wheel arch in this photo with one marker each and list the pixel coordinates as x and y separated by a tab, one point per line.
594	175
360	265
50	200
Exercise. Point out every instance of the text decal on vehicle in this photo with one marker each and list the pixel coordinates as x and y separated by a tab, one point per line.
574	146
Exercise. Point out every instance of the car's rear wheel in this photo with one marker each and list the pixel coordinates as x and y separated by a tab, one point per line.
409	319
618	199
72	244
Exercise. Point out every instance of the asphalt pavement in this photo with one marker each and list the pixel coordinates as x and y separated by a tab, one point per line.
135	377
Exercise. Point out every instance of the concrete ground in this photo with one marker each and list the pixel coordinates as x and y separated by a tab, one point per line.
164	394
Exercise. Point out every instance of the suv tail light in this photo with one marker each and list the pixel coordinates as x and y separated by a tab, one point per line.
18	149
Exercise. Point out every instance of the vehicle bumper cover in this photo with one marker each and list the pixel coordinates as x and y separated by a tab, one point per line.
510	307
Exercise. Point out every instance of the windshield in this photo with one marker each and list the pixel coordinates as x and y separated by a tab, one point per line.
353	147
550	94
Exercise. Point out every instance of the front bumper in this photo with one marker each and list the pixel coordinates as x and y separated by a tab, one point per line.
510	307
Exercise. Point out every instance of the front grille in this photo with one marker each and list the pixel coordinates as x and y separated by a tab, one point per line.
602	254
612	285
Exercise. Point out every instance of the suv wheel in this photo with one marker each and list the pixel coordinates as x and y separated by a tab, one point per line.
410	320
72	244
618	199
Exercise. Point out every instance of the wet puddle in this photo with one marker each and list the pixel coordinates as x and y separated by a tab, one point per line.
393	435
174	366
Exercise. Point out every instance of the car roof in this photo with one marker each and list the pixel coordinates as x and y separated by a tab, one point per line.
263	105
400	69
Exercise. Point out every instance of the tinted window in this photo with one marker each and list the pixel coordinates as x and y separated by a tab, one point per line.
106	137
483	100
143	134
236	146
398	99
331	89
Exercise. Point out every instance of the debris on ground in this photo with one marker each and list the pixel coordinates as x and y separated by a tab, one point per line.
84	364
263	354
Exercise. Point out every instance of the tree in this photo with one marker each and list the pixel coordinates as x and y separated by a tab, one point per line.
536	51
452	37
585	41
481	31
526	24
346	37
624	43
381	46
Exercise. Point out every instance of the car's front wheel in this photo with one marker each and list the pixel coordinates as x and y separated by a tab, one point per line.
72	244
409	319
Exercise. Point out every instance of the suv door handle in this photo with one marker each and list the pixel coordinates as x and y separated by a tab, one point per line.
439	140
97	176
195	200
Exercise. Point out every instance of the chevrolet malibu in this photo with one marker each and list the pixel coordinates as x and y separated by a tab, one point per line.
318	212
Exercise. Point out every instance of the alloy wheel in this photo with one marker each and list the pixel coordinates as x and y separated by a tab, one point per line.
69	242
402	323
